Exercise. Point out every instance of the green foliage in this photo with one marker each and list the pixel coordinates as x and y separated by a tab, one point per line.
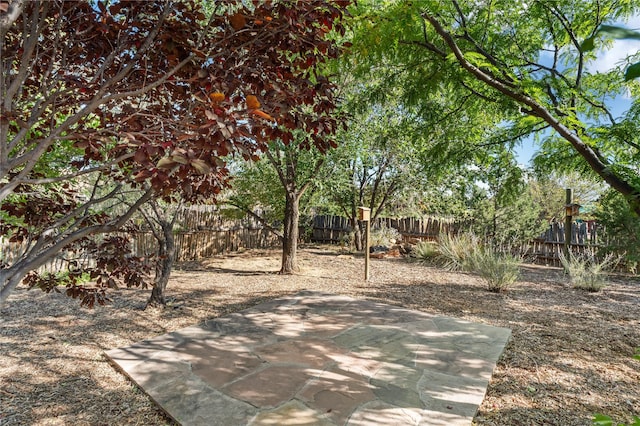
259	185
586	272
602	420
377	163
465	252
268	196
621	229
384	236
426	252
65	278
510	221
485	76
549	192
500	270
456	251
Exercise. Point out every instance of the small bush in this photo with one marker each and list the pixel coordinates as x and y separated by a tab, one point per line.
499	270
425	252
384	236
456	251
586	272
347	241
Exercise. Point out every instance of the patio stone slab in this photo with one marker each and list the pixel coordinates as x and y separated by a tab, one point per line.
318	359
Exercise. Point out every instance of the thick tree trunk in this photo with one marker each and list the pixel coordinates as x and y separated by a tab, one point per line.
166	257
290	239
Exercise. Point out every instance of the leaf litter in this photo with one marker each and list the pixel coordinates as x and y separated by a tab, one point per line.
570	355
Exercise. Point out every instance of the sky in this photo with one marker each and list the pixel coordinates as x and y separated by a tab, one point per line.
606	60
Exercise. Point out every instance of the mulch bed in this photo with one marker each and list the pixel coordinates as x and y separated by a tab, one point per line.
570	356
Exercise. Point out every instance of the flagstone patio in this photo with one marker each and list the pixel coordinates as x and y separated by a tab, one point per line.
318	359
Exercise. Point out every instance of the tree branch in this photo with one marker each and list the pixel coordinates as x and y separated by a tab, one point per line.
256	216
595	161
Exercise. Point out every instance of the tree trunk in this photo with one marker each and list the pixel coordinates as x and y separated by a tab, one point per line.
358	236
494	219
290	237
9	280
166	257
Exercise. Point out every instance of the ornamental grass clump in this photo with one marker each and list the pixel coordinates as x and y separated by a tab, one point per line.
500	270
586	272
426	252
456	251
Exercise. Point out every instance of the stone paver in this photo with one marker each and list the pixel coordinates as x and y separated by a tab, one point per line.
319	359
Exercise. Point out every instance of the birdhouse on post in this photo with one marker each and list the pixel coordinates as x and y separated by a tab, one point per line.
364	214
572	209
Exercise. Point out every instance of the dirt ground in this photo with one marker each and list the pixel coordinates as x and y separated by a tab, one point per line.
570	356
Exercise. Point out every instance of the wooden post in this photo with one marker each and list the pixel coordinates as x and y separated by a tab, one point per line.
366	251
568	220
364	214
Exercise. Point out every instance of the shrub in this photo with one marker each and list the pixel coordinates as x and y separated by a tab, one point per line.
384	236
586	272
456	251
621	229
425	252
499	270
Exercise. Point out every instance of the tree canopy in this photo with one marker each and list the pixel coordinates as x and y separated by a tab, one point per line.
108	104
518	65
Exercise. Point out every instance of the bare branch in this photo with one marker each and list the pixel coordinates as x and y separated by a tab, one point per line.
6	21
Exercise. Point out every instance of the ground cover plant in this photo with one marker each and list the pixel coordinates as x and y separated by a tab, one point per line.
425	252
456	251
499	270
586	272
570	355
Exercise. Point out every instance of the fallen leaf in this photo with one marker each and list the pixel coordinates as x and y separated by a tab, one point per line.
262	115
217	97
252	102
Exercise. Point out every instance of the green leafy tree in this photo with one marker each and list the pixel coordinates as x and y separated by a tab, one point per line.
286	175
376	164
454	128
522	63
549	192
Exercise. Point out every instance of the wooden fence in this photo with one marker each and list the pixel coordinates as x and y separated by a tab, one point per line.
10	252
545	249
207	243
337	229
202	232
